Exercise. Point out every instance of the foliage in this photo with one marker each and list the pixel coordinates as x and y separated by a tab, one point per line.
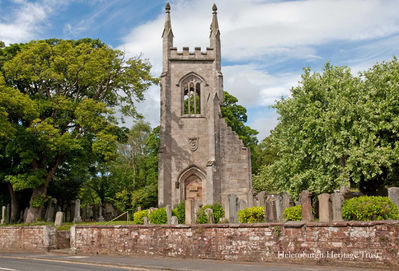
293	213
39	201
57	103
369	208
158	216
235	116
337	129
138	217
180	212
218	213
252	215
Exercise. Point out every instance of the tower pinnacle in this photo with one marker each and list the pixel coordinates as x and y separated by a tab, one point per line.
214	24
168	25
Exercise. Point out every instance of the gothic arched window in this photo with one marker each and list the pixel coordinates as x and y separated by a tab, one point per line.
192	96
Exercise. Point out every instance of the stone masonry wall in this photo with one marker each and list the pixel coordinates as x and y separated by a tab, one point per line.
359	243
32	238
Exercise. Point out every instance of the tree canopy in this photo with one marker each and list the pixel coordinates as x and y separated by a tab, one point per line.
337	129
57	105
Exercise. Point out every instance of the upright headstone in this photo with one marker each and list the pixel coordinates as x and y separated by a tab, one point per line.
59	217
233	204
306	202
100	214
145	220
3	214
242	204
174	220
8	215
286	200
336	202
261	198
250	198
209	214
393	194
169	214
325	209
77	217
67	216
189	208
279	207
270	209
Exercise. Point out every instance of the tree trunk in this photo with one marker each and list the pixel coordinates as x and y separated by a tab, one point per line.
14	204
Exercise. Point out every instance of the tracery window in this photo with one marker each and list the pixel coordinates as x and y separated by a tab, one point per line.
192	97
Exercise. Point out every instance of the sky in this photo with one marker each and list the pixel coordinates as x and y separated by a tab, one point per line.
265	43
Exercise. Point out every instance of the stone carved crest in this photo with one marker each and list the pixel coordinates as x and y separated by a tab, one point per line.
193	142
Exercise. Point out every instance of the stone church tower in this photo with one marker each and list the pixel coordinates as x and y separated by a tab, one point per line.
200	157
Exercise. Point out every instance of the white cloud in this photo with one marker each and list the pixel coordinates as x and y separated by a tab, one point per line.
264	122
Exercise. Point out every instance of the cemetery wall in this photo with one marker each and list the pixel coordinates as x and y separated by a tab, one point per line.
30	238
374	243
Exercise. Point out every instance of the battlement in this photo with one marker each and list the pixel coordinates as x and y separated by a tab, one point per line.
197	54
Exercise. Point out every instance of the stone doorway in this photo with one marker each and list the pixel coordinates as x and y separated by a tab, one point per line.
193	188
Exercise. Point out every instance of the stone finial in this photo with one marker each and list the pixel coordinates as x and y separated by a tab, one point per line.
168	26
214	24
167	7
214	8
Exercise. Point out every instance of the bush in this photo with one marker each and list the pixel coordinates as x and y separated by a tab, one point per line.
293	213
252	215
218	213
138	217
158	216
369	208
180	212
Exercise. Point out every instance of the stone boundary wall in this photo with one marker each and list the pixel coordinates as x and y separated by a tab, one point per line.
373	243
30	238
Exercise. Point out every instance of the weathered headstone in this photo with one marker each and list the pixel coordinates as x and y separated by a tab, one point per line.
306	202
145	220
242	204
168	214
279	207
250	198
59	217
189	208
325	209
233	204
77	217
100	214
336	202
3	214
393	194
8	215
270	209
209	214
67	216
174	220
261	198
286	200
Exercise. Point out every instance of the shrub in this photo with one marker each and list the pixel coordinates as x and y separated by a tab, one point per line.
138	217
252	215
369	208
218	213
180	212
293	213
158	216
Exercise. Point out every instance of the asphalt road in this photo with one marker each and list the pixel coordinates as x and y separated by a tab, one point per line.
54	262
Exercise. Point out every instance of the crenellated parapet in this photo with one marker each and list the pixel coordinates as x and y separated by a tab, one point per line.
197	54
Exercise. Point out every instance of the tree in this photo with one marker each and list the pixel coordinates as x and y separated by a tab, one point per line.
236	116
75	87
337	129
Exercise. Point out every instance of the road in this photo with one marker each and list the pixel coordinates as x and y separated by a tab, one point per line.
56	262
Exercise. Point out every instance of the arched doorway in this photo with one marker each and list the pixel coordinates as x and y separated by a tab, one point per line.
191	183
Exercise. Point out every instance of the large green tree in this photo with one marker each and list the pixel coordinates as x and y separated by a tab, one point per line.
337	129
68	92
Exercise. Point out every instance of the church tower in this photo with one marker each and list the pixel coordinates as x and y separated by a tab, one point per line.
200	157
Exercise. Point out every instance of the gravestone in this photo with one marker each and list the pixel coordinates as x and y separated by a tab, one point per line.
250	199
174	220
270	209
3	214
168	214
189	208
325	209
393	194
100	214
286	200
145	220
209	215
336	202
77	217
242	204
306	202
233	204
261	198
59	217
279	207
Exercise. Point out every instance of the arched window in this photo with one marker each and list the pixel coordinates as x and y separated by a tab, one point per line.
192	96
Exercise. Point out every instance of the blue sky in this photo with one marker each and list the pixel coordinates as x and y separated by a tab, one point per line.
265	44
